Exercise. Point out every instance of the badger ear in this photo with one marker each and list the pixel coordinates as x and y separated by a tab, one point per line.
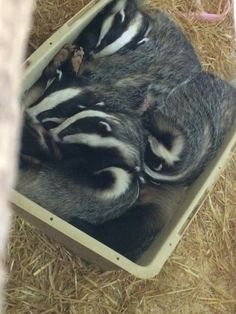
104	127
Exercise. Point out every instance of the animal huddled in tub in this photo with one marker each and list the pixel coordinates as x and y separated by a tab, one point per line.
122	127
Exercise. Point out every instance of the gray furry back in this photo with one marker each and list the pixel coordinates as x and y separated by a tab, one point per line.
158	52
51	188
196	116
156	61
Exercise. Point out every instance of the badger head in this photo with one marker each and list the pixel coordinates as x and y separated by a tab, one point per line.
105	140
165	150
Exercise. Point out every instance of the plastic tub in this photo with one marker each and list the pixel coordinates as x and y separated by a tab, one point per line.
79	242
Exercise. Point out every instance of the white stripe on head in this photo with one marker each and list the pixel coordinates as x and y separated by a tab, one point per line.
53	119
106	125
95	140
124	39
53	100
122	182
144	40
170	156
100	104
59	72
191	168
106	26
148	30
163	177
82	115
122	13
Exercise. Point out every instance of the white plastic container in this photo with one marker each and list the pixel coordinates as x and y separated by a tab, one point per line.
79	242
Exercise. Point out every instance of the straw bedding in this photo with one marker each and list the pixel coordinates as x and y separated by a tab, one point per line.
200	276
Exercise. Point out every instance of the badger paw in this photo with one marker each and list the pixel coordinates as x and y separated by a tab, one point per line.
61	57
77	59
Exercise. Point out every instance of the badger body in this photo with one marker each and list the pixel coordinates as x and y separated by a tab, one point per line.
120	25
132	233
121	81
187	129
157	60
69	192
101	157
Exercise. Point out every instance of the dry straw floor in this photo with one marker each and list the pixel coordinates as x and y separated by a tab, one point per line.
200	276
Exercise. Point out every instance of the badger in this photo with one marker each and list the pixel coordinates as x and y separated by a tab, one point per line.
109	205
157	59
120	80
37	144
58	105
116	135
121	25
133	232
98	174
187	128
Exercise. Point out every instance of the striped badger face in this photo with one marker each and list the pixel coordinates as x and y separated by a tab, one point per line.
165	149
111	148
105	140
57	105
120	25
188	128
163	154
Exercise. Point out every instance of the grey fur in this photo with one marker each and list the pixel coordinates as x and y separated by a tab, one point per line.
132	233
122	78
122	15
125	129
121	81
201	110
52	188
93	184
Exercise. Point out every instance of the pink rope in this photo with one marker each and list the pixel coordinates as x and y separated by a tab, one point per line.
202	15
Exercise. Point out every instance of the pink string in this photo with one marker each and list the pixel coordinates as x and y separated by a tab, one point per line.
202	15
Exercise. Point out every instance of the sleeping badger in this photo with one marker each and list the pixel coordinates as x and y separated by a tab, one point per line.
108	202
187	128
98	172
122	25
123	78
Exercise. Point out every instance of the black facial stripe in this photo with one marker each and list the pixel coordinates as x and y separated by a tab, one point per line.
164	137
116	30
152	160
88	38
64	109
50	125
96	157
112	35
102	181
70	107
